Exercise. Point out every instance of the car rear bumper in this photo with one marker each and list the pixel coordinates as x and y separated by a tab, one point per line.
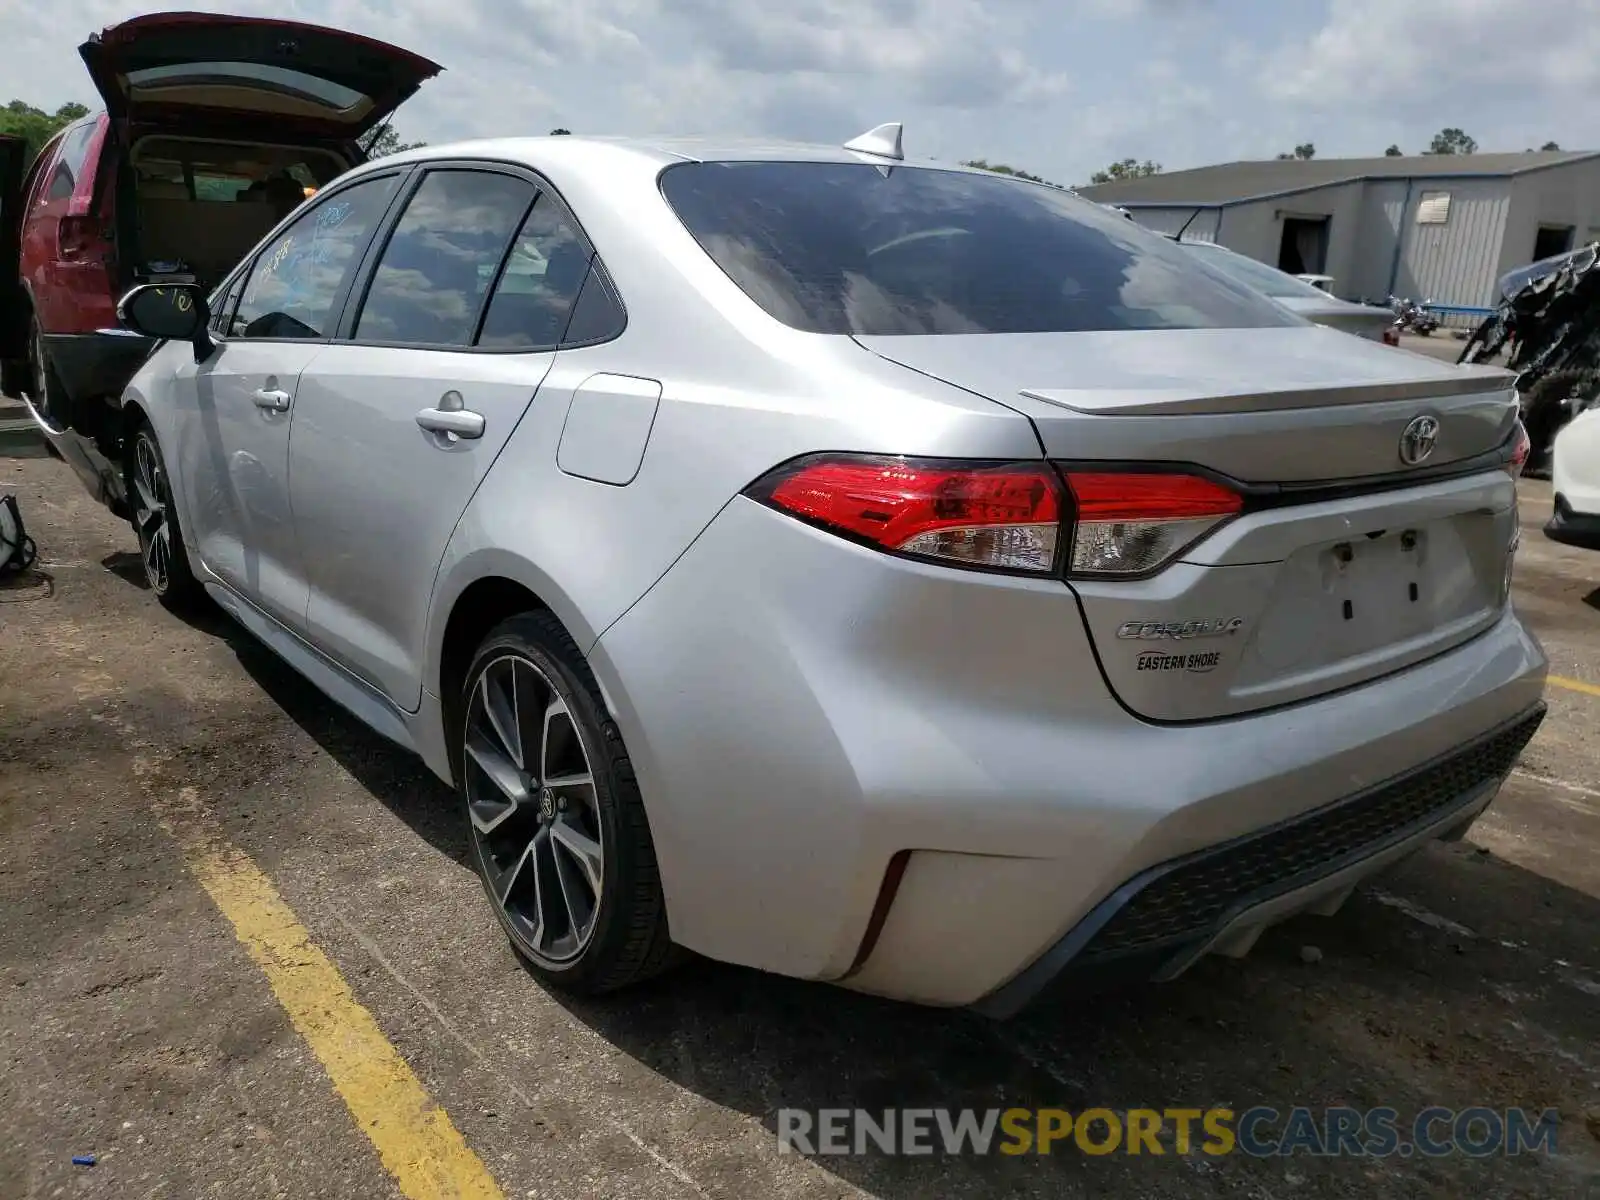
1219	900
1573	528
912	780
96	365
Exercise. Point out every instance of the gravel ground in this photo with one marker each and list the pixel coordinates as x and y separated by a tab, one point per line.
135	1027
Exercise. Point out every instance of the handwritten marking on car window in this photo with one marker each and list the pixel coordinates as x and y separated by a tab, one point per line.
333	215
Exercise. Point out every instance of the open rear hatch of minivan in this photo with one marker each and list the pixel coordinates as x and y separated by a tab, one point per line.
1376	514
227	124
302	80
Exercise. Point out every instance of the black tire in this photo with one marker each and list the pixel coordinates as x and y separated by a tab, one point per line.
45	390
166	570
1545	414
628	940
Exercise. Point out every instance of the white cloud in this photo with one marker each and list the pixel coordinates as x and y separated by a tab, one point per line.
1056	89
1373	52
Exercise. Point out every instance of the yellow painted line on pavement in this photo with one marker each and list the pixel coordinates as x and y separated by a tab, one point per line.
415	1139
1573	685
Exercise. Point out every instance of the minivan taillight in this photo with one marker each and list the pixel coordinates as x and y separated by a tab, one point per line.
75	236
1022	517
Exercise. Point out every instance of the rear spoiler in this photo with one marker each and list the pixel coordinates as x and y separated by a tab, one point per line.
1158	402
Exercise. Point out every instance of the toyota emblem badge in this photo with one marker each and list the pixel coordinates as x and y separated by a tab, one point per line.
1416	443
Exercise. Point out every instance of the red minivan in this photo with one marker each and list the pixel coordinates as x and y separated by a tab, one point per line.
215	128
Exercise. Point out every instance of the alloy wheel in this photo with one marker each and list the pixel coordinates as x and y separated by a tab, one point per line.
535	814
150	514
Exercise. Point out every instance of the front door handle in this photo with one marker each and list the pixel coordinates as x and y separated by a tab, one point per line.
460	421
271	399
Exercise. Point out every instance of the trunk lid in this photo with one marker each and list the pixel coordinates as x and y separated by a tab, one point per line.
300	78
1348	563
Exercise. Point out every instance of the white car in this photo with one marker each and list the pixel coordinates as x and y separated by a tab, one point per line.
1575	478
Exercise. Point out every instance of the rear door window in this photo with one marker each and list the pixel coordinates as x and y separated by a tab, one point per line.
37	180
296	283
847	248
442	258
70	162
544	273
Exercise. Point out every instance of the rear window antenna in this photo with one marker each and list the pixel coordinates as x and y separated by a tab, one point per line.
880	142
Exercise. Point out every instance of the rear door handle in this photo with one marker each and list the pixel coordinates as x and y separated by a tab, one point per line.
459	421
271	399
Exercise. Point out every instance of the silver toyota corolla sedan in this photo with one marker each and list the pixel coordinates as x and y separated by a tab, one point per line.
890	574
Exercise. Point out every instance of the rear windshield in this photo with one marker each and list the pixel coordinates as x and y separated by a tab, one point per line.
197	74
1268	280
844	248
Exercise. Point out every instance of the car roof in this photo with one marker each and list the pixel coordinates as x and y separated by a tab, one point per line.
665	150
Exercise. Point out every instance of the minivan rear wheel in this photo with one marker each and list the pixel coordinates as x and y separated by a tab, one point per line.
45	392
558	827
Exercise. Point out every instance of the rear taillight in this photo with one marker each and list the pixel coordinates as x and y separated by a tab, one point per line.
1131	523
1521	446
1003	516
76	236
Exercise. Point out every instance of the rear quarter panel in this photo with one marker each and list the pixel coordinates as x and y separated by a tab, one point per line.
589	550
72	296
741	393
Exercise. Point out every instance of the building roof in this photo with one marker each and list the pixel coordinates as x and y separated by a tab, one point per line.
1231	183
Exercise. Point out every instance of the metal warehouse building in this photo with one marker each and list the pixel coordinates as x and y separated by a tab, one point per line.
1438	227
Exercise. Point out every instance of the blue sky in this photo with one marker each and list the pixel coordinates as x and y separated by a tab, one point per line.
1057	87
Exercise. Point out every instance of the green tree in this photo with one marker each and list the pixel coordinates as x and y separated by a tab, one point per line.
1002	169
560	132
388	141
1394	152
1550	146
1128	168
34	125
1452	141
1305	150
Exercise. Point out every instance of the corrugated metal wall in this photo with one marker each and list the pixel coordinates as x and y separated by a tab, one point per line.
1383	203
1456	262
1253	229
1170	220
1566	195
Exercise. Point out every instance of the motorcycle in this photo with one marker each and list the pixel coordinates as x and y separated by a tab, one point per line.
1411	317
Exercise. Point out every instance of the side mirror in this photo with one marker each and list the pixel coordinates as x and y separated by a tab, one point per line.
170	311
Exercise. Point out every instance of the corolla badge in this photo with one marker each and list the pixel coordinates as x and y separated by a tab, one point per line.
1179	631
1418	439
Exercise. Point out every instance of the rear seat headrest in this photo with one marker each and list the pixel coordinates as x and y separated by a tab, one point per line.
163	189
